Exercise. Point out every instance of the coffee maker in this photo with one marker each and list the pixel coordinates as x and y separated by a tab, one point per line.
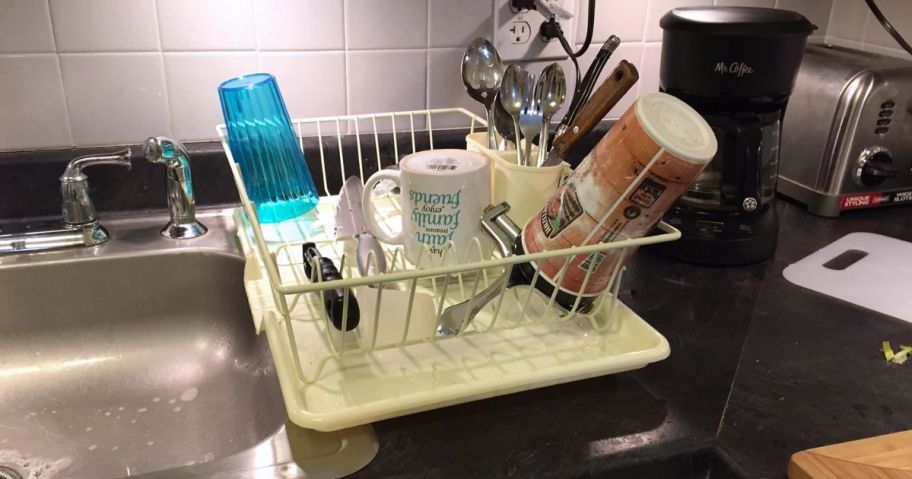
736	66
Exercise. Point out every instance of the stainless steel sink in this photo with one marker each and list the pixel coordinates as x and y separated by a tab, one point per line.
132	357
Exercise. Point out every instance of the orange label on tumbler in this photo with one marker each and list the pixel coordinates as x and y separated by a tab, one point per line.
620	190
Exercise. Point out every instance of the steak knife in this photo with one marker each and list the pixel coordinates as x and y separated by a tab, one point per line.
621	79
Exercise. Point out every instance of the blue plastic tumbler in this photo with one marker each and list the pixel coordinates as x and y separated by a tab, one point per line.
265	147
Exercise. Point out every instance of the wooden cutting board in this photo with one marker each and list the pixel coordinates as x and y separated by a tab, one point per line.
881	457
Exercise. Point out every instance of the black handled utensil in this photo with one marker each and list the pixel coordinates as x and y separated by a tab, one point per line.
333	299
581	95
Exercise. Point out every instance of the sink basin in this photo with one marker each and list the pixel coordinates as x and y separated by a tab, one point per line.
129	358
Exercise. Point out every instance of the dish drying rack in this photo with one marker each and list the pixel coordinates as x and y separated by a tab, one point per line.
392	364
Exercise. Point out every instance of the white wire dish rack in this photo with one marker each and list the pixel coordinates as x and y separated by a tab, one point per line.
392	364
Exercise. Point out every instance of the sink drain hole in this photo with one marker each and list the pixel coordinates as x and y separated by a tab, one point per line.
7	472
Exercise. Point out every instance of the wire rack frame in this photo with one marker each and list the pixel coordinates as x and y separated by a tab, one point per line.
290	286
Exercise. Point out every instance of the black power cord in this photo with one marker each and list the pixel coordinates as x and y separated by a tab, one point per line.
888	26
551	29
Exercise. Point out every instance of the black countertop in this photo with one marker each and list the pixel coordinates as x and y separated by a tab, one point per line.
759	368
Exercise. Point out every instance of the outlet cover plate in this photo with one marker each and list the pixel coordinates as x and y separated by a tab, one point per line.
510	37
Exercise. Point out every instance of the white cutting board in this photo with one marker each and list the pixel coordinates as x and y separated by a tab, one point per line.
881	280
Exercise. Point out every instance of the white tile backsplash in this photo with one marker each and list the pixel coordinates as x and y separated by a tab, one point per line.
312	83
817	11
658	8
649	67
848	19
853	25
445	88
192	82
456	23
899	12
299	24
32	106
381	81
193	25
623	18
25	27
632	52
115	98
134	68
386	24
105	25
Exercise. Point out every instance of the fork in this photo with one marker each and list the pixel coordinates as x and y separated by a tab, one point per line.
530	117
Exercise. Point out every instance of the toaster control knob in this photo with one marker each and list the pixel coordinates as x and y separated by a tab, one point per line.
875	165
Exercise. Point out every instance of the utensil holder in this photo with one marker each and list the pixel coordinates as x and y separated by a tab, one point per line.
525	188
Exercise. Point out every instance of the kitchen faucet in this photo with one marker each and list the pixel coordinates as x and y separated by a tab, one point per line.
80	223
181	201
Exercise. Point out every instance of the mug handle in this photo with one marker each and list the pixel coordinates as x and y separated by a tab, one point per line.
368	206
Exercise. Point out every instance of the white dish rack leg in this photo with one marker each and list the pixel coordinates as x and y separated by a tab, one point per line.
521	340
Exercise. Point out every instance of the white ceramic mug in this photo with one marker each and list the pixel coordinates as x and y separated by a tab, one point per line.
443	196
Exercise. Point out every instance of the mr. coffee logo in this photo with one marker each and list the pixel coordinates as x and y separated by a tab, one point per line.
738	69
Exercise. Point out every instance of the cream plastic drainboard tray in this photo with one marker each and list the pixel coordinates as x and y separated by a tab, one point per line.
332	380
360	387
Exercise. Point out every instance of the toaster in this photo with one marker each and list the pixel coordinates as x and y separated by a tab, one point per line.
846	140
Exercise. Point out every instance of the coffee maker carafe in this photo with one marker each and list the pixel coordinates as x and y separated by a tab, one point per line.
736	66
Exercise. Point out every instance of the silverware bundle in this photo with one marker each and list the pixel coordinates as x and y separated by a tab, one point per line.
517	106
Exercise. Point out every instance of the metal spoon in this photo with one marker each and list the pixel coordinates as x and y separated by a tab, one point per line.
550	94
512	91
504	125
482	72
530	118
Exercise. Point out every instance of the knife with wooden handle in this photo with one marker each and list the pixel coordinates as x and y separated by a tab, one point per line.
611	91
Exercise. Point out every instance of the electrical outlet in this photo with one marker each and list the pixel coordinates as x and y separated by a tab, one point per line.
516	35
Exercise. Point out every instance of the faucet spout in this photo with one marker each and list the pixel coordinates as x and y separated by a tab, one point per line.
181	199
78	208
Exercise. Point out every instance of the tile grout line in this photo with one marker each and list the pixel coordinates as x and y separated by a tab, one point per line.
256	37
864	31
427	54
830	19
164	71
66	102
345	59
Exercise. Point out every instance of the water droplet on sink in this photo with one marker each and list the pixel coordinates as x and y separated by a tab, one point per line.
189	394
115	448
93	447
172	401
121	408
132	421
156	399
177	409
108	413
150	443
141	410
89	429
208	457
